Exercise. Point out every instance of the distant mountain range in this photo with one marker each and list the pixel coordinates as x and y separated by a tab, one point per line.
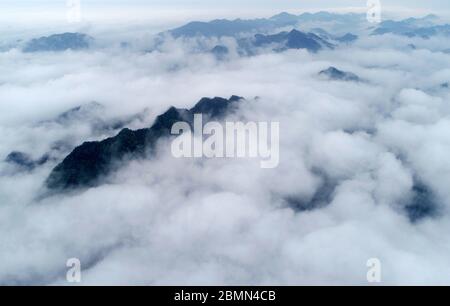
311	31
224	27
293	40
421	27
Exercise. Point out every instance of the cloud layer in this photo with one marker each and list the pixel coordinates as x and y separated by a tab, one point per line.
226	221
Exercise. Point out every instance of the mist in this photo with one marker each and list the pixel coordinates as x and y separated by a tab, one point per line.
187	221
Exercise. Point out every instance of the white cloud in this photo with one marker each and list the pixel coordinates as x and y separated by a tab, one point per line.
168	221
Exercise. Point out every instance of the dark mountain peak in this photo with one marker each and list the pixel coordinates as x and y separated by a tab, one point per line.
336	74
215	107
165	121
295	32
89	162
294	39
234	98
301	40
333	70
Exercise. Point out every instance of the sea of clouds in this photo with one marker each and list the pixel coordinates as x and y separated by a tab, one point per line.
226	221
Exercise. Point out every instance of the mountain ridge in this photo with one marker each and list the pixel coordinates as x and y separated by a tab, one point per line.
89	162
58	42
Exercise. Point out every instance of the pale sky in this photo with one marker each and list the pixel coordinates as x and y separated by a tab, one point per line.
246	4
168	12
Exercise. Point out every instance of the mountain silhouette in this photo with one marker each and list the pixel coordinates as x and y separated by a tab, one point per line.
339	75
58	42
293	40
89	162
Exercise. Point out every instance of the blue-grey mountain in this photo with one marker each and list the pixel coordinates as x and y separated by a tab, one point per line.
224	27
421	27
293	40
59	42
338	75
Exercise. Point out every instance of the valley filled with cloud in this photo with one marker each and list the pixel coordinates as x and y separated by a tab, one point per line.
364	172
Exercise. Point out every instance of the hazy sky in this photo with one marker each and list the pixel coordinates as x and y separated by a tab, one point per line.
241	5
272	4
161	14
